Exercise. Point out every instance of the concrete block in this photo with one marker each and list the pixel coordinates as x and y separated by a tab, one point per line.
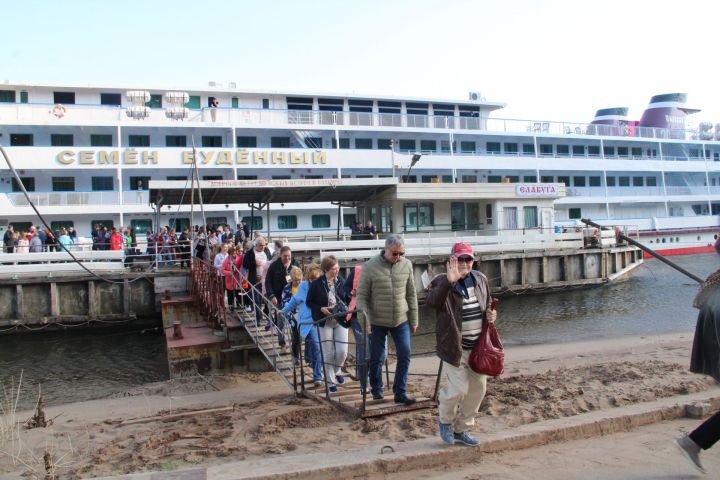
73	298
699	410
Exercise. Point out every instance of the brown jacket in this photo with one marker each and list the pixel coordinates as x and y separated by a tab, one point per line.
448	306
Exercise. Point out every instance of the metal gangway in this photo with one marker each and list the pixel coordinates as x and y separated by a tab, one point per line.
257	316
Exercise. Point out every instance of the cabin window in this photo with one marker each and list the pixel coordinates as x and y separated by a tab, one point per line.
139	183
362	143
467	147
141	225
216	222
313	142
179	223
138	140
28	183
247	177
593	151
564	179
694	153
530	179
7	96
64	97
246	142
155	101
21	140
416	108
638	181
101	140
447	179
360	105
388	107
531	217
494	179
512	179
469	179
61	140
193	102
610	181
102	223
547	179
405	178
636	152
578	150
265	103
287	222
235	102
457	216
384	144
255	224
344	143
175	141
623	152
418	215
429	179
212	177
608	151
63	184
528	149
281	177
280	142
349	219
510	214
546	149
57	225
574	213
113	99
24	97
578	181
624	181
428	145
211	141
563	150
100	184
181	178
511	148
407	145
321	221
493	148
652	181
595	181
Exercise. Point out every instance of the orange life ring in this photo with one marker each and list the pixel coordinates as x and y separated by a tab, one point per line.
58	111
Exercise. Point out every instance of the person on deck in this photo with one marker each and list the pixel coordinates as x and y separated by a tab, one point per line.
461	299
255	262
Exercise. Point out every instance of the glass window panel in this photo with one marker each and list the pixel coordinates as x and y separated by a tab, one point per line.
102	184
61	140
287	222
321	221
101	140
211	141
139	140
280	142
114	99
531	217
256	224
63	184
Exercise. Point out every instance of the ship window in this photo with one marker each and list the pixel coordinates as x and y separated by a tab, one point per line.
636	152
609	151
287	222
216	222
235	102
638	181
428	145
624	181
28	183
410	179
594	181
155	101
652	181
321	221
212	177
281	177
139	183
139	140
447	179
578	181
388	107
102	223
211	141
528	149
494	179
493	147
141	225
63	184
469	179
445	145
695	153
175	141
266	103
182	178
101	140
64	97
61	140
531	217
362	143
610	181
57	225
247	177
468	111
547	179
467	147
179	224
316	142
416	108
330	104
384	144
246	142
546	149
21	140
578	150
23	97
511	179
407	145
530	179
564	179
256	224
280	142
349	219
344	143
623	152
360	105
114	99
429	179
593	151
443	109
102	184
574	213
7	96
193	102
419	215
317	177
563	150
511	148
299	103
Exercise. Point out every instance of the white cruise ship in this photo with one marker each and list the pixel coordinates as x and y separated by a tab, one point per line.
87	154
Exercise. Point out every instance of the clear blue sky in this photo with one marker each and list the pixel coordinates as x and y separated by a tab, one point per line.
554	60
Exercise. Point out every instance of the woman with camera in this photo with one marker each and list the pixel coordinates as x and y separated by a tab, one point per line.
325	296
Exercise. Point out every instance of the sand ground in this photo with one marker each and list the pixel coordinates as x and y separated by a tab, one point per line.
254	415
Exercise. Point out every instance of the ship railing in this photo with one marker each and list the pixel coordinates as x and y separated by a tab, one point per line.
50	262
59	199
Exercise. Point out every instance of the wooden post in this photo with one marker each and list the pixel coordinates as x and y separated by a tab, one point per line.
19	302
126	297
54	300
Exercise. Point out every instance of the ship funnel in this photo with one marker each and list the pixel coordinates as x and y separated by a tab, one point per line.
613	120
667	111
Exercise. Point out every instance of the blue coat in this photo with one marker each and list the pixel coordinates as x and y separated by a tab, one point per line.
304	317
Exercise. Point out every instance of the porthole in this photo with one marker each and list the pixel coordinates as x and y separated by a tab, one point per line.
715	236
677	239
671	239
657	241
663	240
698	237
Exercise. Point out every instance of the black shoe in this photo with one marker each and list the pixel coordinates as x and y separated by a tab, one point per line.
404	399
378	396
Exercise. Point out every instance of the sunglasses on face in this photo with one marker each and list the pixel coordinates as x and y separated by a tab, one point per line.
397	254
465	259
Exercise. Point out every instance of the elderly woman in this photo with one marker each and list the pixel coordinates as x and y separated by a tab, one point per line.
305	323
231	266
325	293
461	299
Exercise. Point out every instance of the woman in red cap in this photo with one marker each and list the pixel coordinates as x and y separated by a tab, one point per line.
462	301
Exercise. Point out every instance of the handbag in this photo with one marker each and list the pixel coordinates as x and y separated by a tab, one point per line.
487	356
340	309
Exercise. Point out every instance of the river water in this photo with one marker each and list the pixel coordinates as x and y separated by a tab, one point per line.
73	366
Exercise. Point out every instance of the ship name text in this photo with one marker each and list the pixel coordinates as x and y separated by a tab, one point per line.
225	157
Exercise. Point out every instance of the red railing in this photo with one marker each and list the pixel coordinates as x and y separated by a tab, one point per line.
208	289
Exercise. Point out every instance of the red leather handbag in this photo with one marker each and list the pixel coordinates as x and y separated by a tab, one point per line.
487	356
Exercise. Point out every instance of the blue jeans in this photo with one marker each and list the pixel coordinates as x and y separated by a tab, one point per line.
312	353
378	354
359	335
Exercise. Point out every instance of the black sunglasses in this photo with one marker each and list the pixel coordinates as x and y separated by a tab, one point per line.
466	259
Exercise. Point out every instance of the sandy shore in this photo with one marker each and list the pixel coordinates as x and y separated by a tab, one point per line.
254	416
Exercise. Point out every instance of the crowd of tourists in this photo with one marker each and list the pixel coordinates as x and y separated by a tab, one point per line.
37	239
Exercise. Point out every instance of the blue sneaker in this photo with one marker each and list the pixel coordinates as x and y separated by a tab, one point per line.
466	439
446	433
340	379
332	389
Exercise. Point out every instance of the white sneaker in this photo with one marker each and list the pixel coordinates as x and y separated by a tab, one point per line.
691	450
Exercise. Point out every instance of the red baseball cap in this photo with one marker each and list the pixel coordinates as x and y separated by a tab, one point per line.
462	248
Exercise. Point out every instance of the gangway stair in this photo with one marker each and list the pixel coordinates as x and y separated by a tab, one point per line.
348	398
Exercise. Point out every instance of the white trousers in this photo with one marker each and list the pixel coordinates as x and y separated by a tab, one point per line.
334	341
461	397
